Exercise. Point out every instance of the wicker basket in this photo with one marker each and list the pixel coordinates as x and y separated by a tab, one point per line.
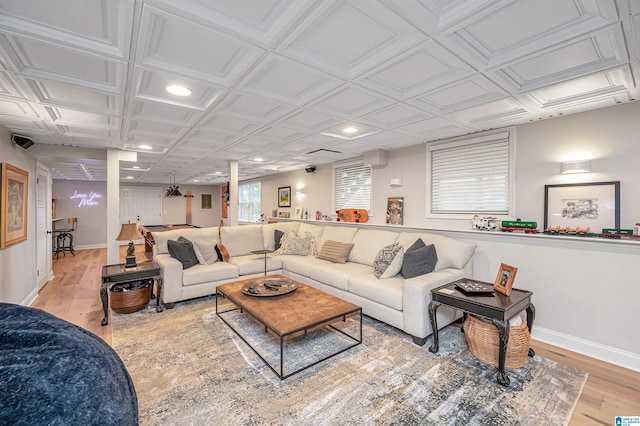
483	339
125	302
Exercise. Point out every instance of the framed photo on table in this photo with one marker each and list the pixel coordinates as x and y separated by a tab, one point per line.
593	205
504	280
284	196
14	203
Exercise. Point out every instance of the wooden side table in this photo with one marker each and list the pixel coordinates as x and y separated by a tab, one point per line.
496	307
117	274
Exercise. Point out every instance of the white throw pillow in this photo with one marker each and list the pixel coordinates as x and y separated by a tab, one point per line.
205	251
388	261
292	244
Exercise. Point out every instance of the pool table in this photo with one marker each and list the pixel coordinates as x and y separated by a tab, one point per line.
148	230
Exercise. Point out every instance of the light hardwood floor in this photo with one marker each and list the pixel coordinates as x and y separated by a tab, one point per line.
74	296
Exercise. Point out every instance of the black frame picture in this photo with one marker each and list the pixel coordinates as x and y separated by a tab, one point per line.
594	205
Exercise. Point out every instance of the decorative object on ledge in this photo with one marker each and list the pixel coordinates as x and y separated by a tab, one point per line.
352	215
505	278
594	205
284	196
129	231
572	167
13	218
395	209
484	223
529	227
284	215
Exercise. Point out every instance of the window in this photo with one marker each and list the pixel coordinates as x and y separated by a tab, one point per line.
352	186
249	196
471	176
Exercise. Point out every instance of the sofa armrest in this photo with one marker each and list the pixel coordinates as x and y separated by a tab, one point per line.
417	295
171	273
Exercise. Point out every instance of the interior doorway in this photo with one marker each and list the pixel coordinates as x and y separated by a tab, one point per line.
44	246
142	205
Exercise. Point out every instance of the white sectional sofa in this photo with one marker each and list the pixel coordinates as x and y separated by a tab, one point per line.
400	302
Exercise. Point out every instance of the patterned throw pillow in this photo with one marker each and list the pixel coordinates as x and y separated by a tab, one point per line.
419	259
292	244
388	261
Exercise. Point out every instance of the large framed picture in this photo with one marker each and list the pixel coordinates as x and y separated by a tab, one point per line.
284	196
13	218
594	205
505	278
395	207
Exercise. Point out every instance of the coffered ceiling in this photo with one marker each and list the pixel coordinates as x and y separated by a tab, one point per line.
279	79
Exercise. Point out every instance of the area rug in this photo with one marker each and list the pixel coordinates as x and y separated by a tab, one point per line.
189	368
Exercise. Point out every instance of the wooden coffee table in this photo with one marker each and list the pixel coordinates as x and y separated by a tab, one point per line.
288	317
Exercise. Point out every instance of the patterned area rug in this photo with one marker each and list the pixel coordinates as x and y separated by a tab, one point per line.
190	368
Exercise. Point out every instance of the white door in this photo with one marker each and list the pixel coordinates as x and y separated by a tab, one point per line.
43	226
141	205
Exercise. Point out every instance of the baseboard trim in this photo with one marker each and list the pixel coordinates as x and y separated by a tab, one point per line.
90	246
585	347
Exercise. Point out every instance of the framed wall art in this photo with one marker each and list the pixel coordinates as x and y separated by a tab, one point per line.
284	196
395	208
505	278
594	205
14	203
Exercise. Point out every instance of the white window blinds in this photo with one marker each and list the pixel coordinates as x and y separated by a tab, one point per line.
471	176
352	186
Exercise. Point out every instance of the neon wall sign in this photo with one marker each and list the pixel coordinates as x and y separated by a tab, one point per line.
90	199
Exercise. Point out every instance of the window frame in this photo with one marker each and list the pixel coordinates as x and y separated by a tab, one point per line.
240	203
349	163
510	134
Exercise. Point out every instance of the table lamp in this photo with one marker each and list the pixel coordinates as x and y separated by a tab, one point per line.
129	231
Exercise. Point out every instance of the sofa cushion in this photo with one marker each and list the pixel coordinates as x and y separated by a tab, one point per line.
388	261
182	249
201	274
205	251
335	251
343	234
452	253
419	259
386	292
253	264
315	231
367	243
300	265
337	274
294	245
268	231
242	239
161	238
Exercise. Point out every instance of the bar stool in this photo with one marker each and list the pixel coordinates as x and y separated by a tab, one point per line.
64	238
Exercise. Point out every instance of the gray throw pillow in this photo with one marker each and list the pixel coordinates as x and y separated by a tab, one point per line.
183	251
419	259
277	236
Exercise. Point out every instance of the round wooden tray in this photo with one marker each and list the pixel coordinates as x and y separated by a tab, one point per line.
269	287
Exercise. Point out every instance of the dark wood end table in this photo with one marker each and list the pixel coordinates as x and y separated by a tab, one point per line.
117	274
495	307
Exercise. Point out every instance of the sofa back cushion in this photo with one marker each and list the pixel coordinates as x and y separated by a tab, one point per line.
242	239
343	234
268	232
192	234
451	253
335	251
367	244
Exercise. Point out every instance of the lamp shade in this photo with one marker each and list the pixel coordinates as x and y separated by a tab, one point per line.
576	167
128	232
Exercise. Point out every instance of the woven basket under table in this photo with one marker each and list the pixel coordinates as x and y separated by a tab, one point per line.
125	302
483	339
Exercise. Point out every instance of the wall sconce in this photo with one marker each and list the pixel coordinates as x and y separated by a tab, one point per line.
299	191
569	167
395	183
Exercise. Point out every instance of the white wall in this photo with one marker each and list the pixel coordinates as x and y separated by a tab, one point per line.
18	281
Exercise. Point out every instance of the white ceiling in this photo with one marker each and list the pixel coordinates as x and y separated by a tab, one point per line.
279	79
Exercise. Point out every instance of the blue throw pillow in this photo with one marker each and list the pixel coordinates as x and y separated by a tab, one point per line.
419	259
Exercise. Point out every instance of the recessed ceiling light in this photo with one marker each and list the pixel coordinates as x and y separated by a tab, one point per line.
178	90
195	180
258	159
145	147
129	177
136	167
350	129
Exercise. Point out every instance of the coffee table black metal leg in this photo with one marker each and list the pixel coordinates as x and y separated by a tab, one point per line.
503	332
105	303
531	316
433	307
